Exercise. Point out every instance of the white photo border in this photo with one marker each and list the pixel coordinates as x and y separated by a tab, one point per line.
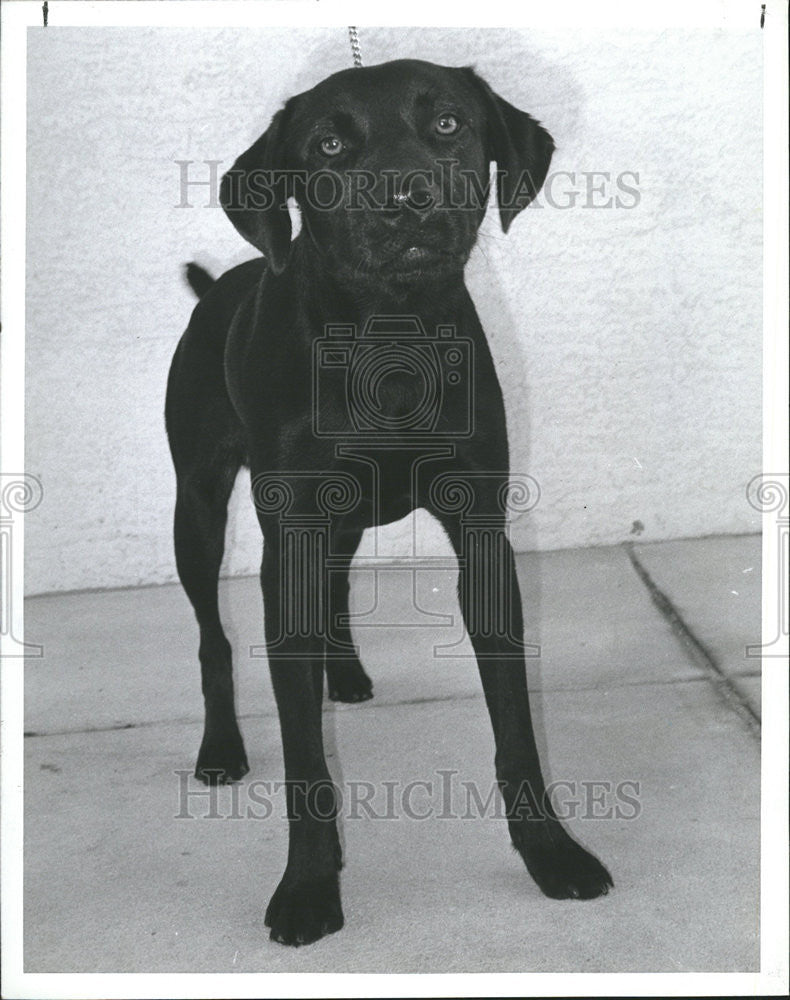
20	16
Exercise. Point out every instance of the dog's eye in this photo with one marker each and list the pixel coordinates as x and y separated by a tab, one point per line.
330	145
447	124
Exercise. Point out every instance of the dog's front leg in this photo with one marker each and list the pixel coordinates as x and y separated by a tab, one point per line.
491	606
345	675
306	904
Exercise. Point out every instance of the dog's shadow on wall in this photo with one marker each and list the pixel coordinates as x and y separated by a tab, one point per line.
507	59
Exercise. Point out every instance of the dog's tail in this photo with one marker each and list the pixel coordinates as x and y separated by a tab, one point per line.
198	278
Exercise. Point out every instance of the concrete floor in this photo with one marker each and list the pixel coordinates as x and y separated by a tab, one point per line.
642	679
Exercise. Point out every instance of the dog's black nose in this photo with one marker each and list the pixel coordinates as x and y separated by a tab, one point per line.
419	193
416	191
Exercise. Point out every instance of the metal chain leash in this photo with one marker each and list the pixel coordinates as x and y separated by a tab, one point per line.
355	49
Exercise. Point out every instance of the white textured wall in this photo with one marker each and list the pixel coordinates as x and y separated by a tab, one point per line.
628	340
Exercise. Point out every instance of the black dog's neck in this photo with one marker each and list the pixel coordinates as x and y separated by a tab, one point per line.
434	298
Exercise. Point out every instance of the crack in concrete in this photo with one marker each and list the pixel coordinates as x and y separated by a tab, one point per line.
700	654
371	706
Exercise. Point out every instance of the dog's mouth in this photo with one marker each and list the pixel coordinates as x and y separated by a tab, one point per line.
408	260
420	259
421	255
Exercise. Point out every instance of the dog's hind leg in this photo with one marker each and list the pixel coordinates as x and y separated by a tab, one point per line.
345	677
206	444
199	530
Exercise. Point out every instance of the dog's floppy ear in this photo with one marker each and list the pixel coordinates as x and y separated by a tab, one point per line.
522	149
254	193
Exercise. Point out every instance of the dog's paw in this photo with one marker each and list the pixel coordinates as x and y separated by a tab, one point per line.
347	681
304	912
562	868
221	759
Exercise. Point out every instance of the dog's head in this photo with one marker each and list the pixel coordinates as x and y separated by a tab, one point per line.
390	168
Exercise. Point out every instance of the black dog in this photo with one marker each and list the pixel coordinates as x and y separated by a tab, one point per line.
350	372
